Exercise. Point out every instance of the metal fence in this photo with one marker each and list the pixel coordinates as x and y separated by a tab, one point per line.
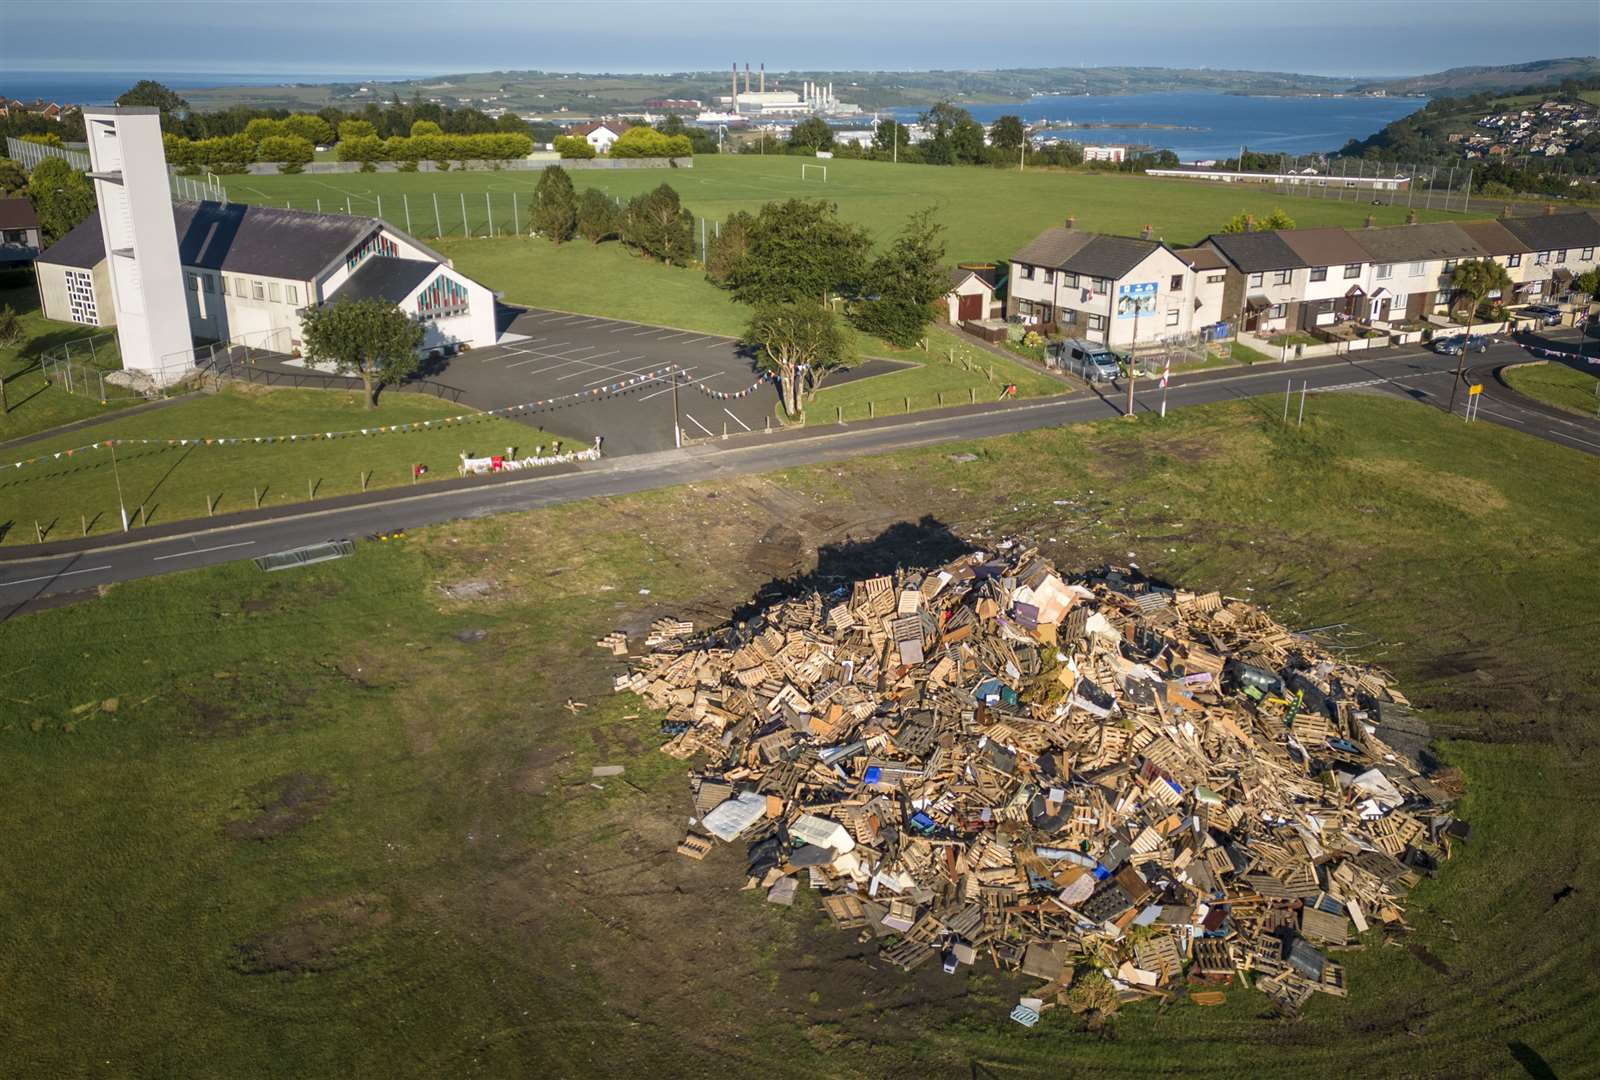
262	367
81	368
29	154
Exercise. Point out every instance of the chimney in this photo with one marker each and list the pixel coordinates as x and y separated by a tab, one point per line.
1144	233
1072	221
747	76
763	76
1411	217
736	86
1372	221
1249	223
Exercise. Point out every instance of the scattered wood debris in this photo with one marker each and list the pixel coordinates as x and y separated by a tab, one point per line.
1147	788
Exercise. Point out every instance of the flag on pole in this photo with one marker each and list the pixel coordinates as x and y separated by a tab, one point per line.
1166	373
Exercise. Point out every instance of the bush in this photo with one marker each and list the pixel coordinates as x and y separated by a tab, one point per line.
409	165
573	146
597	216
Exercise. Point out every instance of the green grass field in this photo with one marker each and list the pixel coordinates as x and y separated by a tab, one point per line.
988	213
294	825
33	404
1558	385
173	482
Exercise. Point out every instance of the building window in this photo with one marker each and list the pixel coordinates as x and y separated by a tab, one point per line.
273	292
1588	255
193	282
1561	256
1276	311
1173	316
1177	283
207	284
1385	271
258	291
1049	276
1027	272
1282	277
1353	270
1067	316
1319	273
1216	279
376	244
1541	259
1069	281
293	293
1449	266
224	285
80	297
444	298
1255	281
1097	322
1513	260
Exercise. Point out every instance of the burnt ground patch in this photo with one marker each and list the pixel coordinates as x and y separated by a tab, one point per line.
281	805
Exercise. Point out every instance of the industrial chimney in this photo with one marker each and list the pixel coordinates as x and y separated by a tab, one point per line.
763	76
747	76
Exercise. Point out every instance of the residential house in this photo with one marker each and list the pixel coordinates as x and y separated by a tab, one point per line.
972	292
1210	282
1563	246
1501	244
1342	283
1117	290
1266	280
251	271
601	134
1419	261
19	232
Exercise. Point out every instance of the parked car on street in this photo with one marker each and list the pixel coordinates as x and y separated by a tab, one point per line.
1453	346
1088	360
1547	314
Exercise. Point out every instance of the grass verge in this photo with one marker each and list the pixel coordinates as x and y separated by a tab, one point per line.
1568	389
33	404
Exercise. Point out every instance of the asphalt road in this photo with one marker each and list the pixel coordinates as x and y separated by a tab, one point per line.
30	582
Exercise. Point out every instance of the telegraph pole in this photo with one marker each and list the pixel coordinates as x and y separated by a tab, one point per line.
1133	359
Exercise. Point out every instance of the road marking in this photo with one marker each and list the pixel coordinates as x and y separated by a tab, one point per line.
64	573
202	551
669	337
622	327
719	344
736	420
690	417
1573	438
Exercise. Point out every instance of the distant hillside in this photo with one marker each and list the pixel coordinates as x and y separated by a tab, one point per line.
1456	82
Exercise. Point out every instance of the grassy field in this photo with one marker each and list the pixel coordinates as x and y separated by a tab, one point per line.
1556	384
33	404
173	481
988	213
306	825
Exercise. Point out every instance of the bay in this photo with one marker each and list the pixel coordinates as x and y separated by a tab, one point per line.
1208	125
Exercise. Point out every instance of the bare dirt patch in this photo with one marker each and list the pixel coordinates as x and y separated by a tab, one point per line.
1470	496
282	805
317	939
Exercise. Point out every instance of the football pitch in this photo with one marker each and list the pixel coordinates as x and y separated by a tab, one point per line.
988	213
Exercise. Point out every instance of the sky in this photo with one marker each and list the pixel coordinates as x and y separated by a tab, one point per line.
399	37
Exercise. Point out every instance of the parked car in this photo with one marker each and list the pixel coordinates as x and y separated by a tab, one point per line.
1453	346
1547	314
1088	360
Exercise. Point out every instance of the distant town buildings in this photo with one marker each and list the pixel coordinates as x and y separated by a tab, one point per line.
11	108
1548	129
813	99
1117	154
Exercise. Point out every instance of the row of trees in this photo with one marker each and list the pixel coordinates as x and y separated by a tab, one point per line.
424	144
61	195
654	224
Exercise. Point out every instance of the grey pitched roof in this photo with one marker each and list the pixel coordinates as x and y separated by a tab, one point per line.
1323	247
1094	254
294	244
1553	232
989	275
383	278
1254	252
1494	237
17	214
1418	243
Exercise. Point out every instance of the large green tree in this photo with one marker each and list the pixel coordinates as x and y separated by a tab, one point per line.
799	250
905	281
370	338
61	197
555	206
811	134
800	343
1471	281
150	94
310	127
289	151
891	137
954	136
13	181
727	249
597	216
657	225
1007	133
1244	221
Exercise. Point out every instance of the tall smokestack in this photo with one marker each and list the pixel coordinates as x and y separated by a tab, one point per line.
763	76
747	76
736	86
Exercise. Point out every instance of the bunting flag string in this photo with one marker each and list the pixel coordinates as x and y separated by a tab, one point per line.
733	395
384	429
1560	354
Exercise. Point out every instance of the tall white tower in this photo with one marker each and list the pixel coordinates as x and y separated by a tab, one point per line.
130	180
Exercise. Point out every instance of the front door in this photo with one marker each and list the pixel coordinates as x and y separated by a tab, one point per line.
971	307
1380	309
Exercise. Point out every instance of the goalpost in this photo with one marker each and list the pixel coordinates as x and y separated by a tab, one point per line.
820	168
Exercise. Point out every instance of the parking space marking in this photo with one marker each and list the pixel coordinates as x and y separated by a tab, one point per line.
736	420
718	344
690	417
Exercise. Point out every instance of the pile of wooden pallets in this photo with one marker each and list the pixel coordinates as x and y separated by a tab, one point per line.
1097	779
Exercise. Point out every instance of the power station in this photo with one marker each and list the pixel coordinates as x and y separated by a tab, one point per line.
813	99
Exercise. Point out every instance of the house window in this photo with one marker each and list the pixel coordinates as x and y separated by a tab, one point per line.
1319	273
1177	283
1049	276
293	293
1418	269
1173	316
1097	322
274	292
1277	311
1282	277
224	285
207	284
1385	271
1561	256
1216	279
258	290
1353	270
1588	255
1027	272
194	282
1449	266
1255	281
1067	317
1069	281
1541	259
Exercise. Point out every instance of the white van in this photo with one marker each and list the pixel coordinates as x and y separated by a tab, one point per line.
1088	360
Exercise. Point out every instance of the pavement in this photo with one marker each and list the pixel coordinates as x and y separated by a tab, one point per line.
43	575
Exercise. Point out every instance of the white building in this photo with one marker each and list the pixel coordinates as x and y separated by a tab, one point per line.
601	134
1105	153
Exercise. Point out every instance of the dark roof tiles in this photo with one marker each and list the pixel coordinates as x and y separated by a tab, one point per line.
1554	232
1094	254
385	279
1254	252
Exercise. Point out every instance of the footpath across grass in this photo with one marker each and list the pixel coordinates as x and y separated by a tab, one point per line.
1568	389
172	477
342	803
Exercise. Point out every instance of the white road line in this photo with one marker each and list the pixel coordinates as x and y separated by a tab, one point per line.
202	551
649	331
1501	415
736	420
624	326
562	319
62	574
1572	438
669	337
719	344
690	417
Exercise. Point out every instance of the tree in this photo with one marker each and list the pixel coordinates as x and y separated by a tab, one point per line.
12	179
906	281
1587	283
1473	280
811	134
425	127
799	343
310	127
61	197
728	247
263	127
356	129
597	216
1007	133
151	94
954	135
10	327
289	151
891	137
657	225
799	250
1244	221
555	207
370	338
363	148
573	146
644	142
